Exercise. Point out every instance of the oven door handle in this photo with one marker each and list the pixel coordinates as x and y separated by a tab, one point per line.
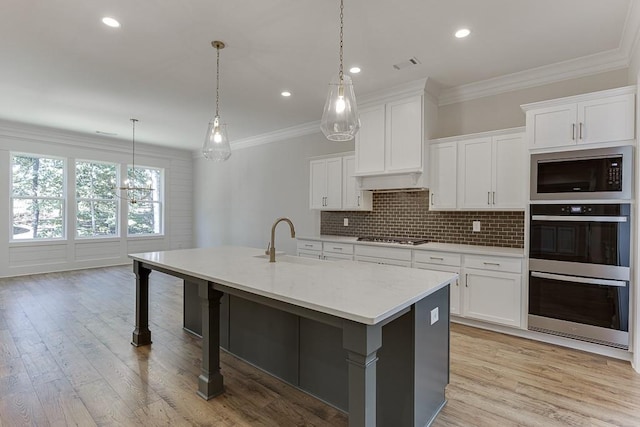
579	218
577	279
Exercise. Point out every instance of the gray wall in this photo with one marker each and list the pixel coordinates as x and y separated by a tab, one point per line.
237	201
503	111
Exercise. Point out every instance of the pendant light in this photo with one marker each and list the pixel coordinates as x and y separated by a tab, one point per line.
129	191
340	120
216	143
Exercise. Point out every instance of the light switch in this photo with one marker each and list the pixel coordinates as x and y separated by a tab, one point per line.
346	222
434	315
476	226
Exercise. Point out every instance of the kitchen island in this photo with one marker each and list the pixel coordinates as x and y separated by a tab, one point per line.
377	334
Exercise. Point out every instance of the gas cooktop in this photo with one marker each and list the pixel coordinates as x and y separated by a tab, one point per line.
399	240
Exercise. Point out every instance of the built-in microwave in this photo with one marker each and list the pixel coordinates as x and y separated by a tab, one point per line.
603	173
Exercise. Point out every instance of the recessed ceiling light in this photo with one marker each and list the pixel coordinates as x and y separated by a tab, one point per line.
354	70
462	33
110	22
286	93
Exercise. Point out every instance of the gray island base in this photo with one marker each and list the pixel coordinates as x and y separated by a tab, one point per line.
383	359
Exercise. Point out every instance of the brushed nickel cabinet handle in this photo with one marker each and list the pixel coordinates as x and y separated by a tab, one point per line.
497	264
488	197
337	249
573	131
466	280
308	246
580	130
432	194
494	198
436	257
358	200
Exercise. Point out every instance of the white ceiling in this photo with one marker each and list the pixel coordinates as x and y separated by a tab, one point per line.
62	68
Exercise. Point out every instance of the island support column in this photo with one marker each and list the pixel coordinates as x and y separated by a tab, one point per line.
141	333
362	343
210	381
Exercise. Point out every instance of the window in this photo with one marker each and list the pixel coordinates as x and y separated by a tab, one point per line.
96	205
145	216
37	197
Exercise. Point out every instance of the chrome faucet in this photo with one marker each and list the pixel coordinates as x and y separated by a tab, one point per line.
271	249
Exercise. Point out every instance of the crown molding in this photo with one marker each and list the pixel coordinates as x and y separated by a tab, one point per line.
18	131
612	60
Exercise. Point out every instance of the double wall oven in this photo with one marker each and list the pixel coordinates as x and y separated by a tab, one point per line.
579	253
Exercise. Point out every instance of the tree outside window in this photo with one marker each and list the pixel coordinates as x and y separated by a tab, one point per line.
96	204
37	197
145	216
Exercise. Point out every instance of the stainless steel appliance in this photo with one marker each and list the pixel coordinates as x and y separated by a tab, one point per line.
579	271
582	175
399	240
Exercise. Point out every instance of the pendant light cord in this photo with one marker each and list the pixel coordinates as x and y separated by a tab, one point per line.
217	81
341	73
133	140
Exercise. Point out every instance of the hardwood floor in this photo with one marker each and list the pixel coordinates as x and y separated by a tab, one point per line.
66	359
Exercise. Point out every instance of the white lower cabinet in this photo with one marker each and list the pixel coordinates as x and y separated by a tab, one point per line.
332	251
442	261
493	289
310	249
489	288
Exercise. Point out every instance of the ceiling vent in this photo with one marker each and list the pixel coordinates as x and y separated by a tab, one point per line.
408	63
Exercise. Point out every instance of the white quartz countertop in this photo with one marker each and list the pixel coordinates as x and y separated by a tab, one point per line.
362	292
431	246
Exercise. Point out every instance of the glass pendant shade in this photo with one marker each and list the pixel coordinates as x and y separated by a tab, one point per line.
216	144
340	121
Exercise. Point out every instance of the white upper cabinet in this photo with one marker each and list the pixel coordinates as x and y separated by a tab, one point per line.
403	148
478	172
443	166
475	167
389	145
326	184
370	146
598	117
332	185
509	172
352	198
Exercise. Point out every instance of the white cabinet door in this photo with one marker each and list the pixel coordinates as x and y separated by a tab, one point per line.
370	145
443	167
493	296
352	198
334	184
404	134
454	288
475	163
325	186
606	119
318	183
552	126
509	172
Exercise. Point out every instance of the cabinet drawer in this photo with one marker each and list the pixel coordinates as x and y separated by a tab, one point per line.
384	261
309	245
338	248
337	257
510	265
440	258
400	254
310	254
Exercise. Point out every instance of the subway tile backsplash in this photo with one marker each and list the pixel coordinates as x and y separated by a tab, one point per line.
406	214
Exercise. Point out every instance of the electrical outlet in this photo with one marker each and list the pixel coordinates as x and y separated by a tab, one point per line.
476	226
346	222
434	315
